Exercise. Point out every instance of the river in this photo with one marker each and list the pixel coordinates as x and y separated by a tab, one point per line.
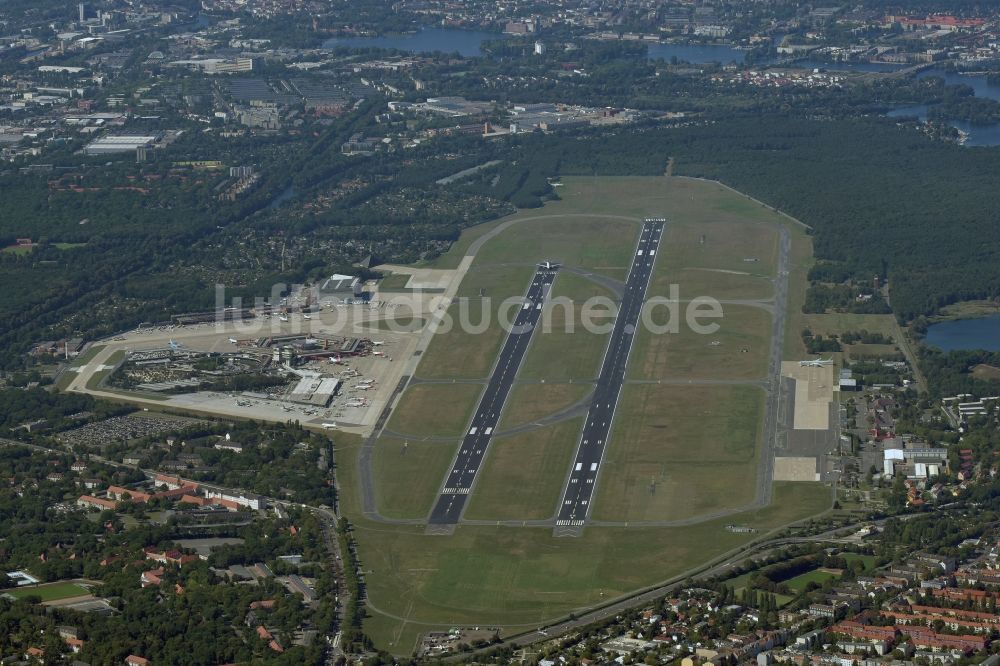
468	42
965	334
696	54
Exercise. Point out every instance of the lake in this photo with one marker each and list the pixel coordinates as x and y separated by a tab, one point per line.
979	135
427	40
977	82
965	334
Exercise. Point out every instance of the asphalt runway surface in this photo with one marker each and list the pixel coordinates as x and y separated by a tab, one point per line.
582	479
451	502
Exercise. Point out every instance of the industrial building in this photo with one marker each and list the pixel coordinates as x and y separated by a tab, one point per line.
219	65
110	145
916	463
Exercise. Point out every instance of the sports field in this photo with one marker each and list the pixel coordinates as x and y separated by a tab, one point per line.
800	582
49	592
685	443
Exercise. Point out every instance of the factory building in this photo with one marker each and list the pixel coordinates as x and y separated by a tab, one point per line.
915	463
109	145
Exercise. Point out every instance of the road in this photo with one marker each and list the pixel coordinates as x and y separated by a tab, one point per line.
458	484
582	478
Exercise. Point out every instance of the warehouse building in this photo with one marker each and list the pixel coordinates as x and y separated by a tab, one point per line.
109	145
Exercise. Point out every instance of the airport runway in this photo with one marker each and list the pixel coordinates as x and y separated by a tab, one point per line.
582	479
451	502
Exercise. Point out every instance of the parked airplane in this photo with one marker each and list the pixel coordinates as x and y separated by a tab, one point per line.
378	343
234	340
283	317
305	316
816	362
378	353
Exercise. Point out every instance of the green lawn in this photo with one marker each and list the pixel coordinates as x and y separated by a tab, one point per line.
535	463
529	402
409	475
49	592
738	349
799	582
437	410
867	560
519	577
680	451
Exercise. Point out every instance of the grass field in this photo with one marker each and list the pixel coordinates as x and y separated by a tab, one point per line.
737	350
724	259
535	463
435	410
841	322
816	576
680	451
867	560
520	577
530	402
562	348
49	592
601	244
410	473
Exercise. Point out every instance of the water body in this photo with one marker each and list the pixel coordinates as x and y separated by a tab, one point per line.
978	135
965	334
977	82
876	67
696	54
427	40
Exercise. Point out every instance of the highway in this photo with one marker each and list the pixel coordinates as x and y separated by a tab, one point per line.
582	478
458	484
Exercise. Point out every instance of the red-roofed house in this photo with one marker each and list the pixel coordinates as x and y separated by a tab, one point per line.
91	502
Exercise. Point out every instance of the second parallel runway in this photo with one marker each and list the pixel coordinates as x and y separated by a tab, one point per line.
579	488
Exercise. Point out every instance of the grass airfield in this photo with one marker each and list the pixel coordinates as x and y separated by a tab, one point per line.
685	443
